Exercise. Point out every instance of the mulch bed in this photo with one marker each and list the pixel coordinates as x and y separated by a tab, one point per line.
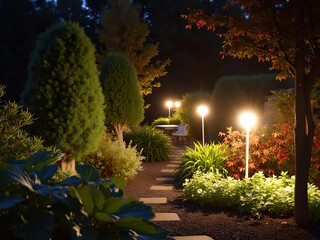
217	223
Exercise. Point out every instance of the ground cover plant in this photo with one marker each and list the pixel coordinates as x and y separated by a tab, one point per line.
114	159
34	205
202	158
153	143
256	195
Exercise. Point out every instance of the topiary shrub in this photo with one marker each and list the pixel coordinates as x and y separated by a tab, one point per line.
202	158
188	110
114	159
124	102
63	91
34	205
153	143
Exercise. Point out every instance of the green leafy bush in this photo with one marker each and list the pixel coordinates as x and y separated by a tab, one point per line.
153	143
203	158
14	141
114	159
256	195
33	205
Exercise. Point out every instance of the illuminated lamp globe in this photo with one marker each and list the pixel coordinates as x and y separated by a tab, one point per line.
248	120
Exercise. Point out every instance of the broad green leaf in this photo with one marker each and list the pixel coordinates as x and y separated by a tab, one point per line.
135	209
86	199
120	182
103	217
136	224
113	204
88	173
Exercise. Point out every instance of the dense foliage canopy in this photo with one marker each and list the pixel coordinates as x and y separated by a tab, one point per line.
63	90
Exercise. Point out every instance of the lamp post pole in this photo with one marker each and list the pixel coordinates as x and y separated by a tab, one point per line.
247	154
202	130
202	110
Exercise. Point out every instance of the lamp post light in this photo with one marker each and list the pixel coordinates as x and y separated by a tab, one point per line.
177	104
169	105
202	110
247	120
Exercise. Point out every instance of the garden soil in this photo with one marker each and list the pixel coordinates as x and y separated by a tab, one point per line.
217	223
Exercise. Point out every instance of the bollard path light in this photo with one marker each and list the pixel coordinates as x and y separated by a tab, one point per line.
169	105
247	120
202	110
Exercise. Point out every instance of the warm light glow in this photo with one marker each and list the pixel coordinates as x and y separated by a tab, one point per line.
248	120
169	104
177	104
202	110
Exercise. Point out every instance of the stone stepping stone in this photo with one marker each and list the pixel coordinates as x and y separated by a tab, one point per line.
172	165
166	217
167	170
175	161
202	237
154	200
161	187
166	179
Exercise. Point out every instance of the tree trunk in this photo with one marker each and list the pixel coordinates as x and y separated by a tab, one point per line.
304	126
119	130
67	164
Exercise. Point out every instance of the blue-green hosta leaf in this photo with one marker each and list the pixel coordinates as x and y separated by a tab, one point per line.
136	224
57	192
40	159
88	173
5	166
135	209
120	182
8	202
39	229
71	181
46	172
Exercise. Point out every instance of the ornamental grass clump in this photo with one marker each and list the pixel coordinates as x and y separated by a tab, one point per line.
203	158
153	143
256	195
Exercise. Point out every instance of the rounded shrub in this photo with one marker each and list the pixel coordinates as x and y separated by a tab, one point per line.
114	159
174	119
63	91
153	143
124	102
203	158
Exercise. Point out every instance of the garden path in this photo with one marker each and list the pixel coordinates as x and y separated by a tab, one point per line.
156	186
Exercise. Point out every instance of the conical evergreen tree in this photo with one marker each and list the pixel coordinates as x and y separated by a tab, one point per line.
63	90
124	102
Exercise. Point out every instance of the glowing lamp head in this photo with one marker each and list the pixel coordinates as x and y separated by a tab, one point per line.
248	120
169	104
202	110
177	104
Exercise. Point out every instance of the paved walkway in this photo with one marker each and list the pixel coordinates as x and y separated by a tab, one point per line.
156	186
